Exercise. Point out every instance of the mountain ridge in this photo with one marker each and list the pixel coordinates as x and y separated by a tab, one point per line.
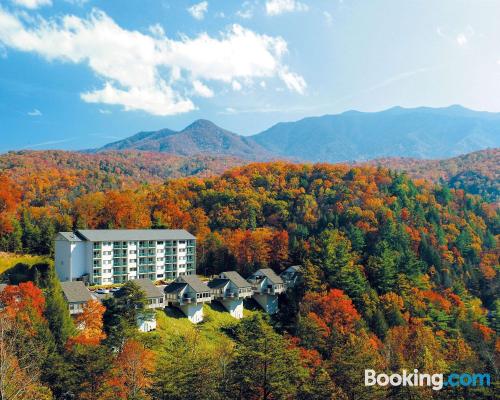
200	137
422	132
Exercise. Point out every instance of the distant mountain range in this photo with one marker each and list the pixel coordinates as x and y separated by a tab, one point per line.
201	137
423	133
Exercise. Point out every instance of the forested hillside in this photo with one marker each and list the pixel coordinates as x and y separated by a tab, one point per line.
476	173
397	273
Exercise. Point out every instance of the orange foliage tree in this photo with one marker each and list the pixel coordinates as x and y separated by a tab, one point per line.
131	374
90	325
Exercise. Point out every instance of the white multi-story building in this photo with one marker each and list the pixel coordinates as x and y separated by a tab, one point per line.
107	256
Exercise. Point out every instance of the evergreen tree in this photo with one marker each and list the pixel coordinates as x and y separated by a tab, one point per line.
122	311
56	311
264	366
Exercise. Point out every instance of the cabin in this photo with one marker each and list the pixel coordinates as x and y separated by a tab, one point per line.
230	289
154	295
188	293
266	286
76	295
292	276
146	321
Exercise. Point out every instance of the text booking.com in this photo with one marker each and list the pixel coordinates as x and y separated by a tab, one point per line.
417	379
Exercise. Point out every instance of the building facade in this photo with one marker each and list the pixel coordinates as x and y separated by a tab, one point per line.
104	257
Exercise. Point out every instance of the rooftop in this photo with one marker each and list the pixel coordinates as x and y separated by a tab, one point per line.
76	292
269	274
236	279
175	287
104	235
69	236
194	282
148	287
218	283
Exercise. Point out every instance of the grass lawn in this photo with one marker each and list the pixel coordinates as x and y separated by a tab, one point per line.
173	323
8	260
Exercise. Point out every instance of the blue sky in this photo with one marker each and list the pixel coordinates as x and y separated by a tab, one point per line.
80	73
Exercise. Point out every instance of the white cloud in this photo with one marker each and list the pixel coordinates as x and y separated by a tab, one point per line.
462	39
103	111
246	11
35	113
198	10
32	4
148	72
157	30
293	81
202	90
157	100
277	7
236	86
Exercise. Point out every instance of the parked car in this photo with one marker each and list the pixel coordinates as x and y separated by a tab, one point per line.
102	291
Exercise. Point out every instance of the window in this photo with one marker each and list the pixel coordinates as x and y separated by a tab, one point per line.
160	251
161	259
160	243
132	252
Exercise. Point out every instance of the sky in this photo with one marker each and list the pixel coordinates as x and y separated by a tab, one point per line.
77	74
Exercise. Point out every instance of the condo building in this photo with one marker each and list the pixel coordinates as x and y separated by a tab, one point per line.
107	256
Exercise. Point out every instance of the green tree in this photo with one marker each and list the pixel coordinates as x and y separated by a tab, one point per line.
264	366
56	310
185	371
122	311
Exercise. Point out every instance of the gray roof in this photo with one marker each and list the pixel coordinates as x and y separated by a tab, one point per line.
69	236
175	287
218	283
149	288
236	279
110	235
76	292
269	274
293	269
194	282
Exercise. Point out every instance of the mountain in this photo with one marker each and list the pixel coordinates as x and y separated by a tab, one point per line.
201	137
397	132
476	173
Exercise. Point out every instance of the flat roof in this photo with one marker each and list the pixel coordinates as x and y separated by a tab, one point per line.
110	235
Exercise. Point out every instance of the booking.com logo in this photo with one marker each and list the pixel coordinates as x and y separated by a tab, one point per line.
417	379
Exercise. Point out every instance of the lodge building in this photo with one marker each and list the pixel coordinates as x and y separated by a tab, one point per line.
109	256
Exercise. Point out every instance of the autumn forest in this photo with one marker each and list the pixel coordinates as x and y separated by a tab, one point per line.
398	273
